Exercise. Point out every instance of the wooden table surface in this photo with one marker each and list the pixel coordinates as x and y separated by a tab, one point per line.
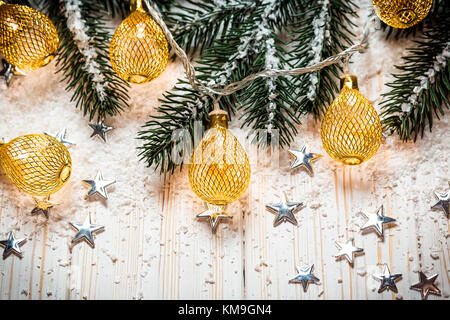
154	248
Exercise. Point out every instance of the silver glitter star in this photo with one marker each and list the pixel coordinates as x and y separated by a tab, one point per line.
42	206
443	203
303	158
304	277
100	130
11	245
376	221
284	210
347	250
214	214
98	186
61	137
387	279
9	71
426	285
85	231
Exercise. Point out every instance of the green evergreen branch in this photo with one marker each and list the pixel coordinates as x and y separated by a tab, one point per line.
420	90
314	96
112	98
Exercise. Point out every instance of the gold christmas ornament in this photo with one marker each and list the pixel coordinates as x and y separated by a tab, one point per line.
37	164
351	129
402	13
219	172
139	50
28	39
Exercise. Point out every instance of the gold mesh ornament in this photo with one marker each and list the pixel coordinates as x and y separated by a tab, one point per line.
28	39
351	129
139	50
402	13
219	172
37	164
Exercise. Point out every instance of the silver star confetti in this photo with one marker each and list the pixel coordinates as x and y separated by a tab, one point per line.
42	206
347	250
387	279
11	245
61	137
284	211
98	186
9	71
303	158
304	277
426	285
85	231
100	130
376	221
443	202
214	214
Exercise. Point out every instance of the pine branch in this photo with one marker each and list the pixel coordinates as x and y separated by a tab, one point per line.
233	53
420	90
117	8
97	89
322	30
197	24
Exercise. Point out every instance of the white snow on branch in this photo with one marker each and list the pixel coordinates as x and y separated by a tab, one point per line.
428	78
77	25
320	34
261	34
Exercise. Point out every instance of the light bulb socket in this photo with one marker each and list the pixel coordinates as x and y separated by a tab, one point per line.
137	5
349	81
219	118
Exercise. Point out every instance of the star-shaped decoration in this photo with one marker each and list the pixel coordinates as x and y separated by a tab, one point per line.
387	279
11	245
214	214
376	221
347	250
85	231
284	211
443	202
303	158
100	130
98	186
304	277
426	285
61	137
42	206
9	71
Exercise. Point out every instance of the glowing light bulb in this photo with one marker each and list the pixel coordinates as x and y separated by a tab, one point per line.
28	39
37	164
351	129
139	51
402	13
219	172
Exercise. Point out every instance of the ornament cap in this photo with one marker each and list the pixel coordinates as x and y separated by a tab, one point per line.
219	118
349	81
135	5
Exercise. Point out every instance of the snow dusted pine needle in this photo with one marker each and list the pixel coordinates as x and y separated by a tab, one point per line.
77	26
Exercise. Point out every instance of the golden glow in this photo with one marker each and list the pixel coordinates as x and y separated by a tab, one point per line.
402	13
351	129
139	50
219	172
37	164
28	39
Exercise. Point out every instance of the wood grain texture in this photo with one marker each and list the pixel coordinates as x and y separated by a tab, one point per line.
154	248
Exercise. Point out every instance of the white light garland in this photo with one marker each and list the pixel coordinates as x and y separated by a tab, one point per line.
79	30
